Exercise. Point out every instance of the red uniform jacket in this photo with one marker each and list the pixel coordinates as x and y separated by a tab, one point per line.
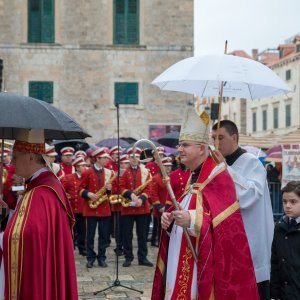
93	181
153	167
71	184
8	196
112	165
66	169
37	244
130	180
159	194
178	181
224	264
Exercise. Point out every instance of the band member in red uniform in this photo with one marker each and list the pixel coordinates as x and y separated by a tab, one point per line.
159	196
209	211
114	153
51	154
71	184
135	186
178	181
38	253
95	188
66	161
116	207
9	196
152	166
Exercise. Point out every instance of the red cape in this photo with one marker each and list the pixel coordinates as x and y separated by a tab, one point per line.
224	266
37	244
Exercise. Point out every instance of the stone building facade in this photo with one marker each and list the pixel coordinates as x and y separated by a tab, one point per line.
271	116
83	62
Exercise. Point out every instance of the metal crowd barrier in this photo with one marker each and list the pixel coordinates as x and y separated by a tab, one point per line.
276	199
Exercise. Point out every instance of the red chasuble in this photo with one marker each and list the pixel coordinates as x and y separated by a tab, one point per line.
37	244
224	266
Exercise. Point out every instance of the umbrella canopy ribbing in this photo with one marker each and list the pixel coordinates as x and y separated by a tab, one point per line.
26	112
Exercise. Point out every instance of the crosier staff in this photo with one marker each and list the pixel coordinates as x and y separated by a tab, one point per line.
166	180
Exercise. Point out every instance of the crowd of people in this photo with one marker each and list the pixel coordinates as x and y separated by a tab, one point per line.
219	244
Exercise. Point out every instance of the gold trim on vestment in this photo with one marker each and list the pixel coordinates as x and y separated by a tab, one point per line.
212	294
16	238
225	214
186	273
161	265
199	217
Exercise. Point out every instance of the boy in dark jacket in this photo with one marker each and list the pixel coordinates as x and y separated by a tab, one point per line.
285	261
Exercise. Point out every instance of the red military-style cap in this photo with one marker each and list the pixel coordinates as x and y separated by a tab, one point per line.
100	152
50	150
67	151
124	158
6	151
166	161
115	149
80	153
79	161
138	151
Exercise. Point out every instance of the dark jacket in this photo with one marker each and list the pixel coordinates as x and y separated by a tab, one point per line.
285	261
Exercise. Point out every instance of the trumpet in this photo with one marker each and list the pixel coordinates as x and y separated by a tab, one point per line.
101	194
4	176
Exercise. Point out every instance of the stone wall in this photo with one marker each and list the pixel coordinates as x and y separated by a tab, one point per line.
83	63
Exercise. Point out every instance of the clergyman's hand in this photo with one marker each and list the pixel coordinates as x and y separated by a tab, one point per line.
166	220
182	217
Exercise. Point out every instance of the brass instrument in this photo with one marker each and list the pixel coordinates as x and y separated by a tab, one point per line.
101	194
4	176
125	202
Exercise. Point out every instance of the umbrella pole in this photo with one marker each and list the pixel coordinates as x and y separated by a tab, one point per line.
220	106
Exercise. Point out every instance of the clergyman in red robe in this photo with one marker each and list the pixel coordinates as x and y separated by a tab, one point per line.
222	268
37	243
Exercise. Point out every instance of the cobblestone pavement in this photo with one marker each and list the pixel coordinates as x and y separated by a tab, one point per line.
96	278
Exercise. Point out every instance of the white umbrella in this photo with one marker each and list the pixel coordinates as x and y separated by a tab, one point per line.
203	75
257	152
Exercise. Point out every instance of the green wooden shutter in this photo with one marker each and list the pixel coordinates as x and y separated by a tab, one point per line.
42	90
48	21
41	21
126	21
133	22
126	93
34	21
119	22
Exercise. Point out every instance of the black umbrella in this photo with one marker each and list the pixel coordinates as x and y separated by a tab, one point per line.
25	112
76	144
170	139
112	142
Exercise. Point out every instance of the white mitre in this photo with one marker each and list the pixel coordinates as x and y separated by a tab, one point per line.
195	127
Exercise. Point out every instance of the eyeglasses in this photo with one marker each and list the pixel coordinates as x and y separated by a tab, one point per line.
186	145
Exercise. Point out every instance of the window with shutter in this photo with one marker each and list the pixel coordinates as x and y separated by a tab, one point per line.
254	121
288	119
126	93
42	90
264	120
41	21
275	117
126	22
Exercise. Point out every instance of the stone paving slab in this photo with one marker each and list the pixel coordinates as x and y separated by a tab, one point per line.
96	278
